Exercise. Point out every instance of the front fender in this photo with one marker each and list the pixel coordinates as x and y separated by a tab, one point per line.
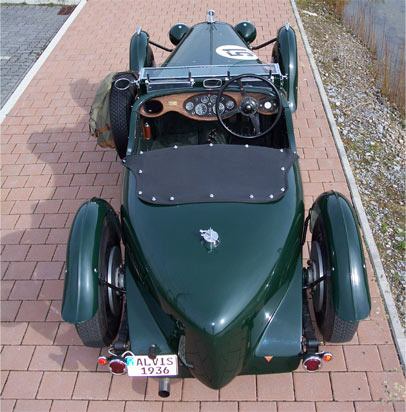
80	295
351	297
285	53
141	54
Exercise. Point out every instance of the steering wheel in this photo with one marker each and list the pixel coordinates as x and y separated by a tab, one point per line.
248	106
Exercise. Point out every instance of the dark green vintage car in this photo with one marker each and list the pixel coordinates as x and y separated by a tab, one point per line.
202	273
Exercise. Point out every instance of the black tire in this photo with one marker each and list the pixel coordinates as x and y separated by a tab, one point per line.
120	112
102	328
332	327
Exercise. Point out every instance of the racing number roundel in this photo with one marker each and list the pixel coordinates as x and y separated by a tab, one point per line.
236	52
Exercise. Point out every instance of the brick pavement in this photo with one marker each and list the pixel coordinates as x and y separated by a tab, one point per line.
25	32
50	166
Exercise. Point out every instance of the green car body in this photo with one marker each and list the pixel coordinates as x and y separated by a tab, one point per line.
237	309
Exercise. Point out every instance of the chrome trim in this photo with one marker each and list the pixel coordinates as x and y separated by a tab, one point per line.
219	83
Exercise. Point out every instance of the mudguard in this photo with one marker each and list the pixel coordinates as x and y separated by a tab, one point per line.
351	297
141	54
80	295
285	53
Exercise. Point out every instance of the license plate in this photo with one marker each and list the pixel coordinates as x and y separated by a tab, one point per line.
162	365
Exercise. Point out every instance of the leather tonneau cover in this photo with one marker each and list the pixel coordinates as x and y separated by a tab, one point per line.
211	173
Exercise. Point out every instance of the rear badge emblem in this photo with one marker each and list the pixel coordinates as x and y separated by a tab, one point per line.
210	238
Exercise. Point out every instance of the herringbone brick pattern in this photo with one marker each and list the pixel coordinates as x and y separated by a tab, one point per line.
50	166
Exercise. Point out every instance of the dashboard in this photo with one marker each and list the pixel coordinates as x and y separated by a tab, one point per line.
205	104
202	106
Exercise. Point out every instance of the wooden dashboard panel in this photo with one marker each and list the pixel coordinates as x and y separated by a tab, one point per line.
175	103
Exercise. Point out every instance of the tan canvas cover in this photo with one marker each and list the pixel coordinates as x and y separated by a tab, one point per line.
99	122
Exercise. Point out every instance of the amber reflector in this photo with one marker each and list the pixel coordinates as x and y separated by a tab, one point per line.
102	360
327	357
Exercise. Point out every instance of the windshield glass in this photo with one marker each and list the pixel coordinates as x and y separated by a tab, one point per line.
186	72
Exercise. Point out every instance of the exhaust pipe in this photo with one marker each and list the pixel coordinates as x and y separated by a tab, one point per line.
164	387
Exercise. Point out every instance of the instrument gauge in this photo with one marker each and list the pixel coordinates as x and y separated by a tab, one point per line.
230	105
201	109
204	99
221	108
189	106
213	98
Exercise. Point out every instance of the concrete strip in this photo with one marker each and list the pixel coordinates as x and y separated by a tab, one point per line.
38	64
38	2
397	330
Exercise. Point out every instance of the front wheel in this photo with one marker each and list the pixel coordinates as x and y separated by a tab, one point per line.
102	328
331	326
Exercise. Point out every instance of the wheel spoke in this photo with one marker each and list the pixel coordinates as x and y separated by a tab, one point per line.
255	123
241	86
231	113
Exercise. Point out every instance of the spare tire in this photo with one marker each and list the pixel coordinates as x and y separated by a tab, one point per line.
121	99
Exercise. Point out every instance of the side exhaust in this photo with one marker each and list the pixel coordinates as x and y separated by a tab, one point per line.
164	387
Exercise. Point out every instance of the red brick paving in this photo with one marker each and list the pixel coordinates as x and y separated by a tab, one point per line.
50	165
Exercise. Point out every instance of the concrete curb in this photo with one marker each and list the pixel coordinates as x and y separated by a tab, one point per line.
38	64
397	330
42	2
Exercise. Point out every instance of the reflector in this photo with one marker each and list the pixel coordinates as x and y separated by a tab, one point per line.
102	360
327	356
312	363
117	367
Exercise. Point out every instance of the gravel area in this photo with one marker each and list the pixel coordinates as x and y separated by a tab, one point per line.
26	31
372	131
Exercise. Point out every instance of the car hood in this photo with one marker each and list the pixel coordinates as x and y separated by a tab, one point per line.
201	46
209	289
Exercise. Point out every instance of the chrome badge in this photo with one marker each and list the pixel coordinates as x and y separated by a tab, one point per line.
210	237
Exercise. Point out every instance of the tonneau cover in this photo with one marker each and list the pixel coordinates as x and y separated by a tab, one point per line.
211	173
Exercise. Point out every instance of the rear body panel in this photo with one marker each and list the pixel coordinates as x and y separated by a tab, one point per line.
216	296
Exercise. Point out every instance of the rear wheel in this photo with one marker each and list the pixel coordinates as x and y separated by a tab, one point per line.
102	328
331	326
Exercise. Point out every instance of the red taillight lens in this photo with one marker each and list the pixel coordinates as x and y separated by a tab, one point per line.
102	360
117	367
312	363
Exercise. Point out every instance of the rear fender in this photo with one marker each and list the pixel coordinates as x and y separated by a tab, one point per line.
141	54
351	297
285	53
80	295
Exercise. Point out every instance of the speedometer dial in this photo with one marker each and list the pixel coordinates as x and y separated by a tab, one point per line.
201	109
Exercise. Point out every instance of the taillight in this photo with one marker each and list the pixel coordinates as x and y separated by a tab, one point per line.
117	367
312	363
